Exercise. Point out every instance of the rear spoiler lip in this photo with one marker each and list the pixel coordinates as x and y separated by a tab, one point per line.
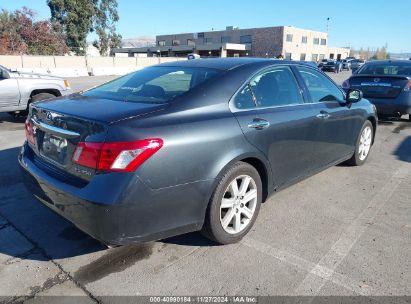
404	77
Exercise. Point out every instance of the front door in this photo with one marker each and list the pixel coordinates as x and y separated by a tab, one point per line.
274	118
9	90
336	121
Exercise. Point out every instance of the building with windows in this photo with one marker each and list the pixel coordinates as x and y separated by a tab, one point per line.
290	42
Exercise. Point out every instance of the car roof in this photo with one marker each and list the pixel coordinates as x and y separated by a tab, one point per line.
228	63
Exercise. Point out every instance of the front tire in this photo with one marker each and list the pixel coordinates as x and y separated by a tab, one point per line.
234	205
34	98
363	145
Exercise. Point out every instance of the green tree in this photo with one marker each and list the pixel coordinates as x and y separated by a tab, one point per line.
105	20
74	18
77	18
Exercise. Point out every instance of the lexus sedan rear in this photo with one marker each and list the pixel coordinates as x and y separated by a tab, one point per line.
188	146
387	84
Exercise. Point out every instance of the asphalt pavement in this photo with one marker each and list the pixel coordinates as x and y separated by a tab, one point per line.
345	231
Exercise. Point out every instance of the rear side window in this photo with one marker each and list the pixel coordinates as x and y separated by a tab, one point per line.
154	84
321	89
276	87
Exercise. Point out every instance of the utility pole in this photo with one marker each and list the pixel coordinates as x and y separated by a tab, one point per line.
328	25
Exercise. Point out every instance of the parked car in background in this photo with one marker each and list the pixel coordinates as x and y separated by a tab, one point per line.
356	64
346	64
189	145
387	84
18	89
332	66
323	62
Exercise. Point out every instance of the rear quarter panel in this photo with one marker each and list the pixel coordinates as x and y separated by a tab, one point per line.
198	144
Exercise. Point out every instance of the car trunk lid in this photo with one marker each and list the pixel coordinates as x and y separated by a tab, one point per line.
58	126
388	87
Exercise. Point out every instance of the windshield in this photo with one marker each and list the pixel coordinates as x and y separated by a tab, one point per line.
386	68
154	84
4	68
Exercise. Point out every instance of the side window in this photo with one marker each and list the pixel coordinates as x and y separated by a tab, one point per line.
276	87
244	99
321	89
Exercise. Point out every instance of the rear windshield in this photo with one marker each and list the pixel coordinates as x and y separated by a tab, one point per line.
386	69
153	84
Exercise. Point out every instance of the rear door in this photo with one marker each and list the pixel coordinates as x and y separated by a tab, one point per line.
336	122
274	118
9	90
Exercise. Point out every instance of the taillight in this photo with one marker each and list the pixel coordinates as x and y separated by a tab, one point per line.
408	86
346	84
28	126
87	154
116	156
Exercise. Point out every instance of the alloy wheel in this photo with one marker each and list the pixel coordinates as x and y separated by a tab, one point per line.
238	204
365	143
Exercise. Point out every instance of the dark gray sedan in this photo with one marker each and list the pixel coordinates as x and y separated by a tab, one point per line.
187	146
386	84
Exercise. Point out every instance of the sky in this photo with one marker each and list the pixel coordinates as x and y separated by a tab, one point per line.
360	23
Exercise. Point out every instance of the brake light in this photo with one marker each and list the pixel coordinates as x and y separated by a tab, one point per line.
408	86
116	156
346	84
28	127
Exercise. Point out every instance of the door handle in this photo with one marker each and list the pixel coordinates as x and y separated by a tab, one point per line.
259	124
323	115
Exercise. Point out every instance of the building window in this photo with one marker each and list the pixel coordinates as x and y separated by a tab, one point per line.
316	41
323	41
208	40
226	39
288	56
331	56
314	57
191	42
246	39
200	35
176	42
303	56
289	38
322	56
161	43
304	39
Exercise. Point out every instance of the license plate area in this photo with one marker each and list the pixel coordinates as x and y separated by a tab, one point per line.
54	148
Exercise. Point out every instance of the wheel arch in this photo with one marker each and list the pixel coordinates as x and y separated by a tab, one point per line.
54	92
259	162
373	121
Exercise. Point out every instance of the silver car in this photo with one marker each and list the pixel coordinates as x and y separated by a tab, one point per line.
356	64
19	89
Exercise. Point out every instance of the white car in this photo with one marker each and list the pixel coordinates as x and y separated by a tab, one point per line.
19	89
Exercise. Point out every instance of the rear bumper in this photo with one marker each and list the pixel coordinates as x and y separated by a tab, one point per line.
401	105
120	212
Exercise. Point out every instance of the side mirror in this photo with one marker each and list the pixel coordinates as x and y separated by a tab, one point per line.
353	96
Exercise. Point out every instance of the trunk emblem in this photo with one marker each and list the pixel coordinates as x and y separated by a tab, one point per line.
377	79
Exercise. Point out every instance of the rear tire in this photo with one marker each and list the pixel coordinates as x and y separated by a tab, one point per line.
234	205
363	145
